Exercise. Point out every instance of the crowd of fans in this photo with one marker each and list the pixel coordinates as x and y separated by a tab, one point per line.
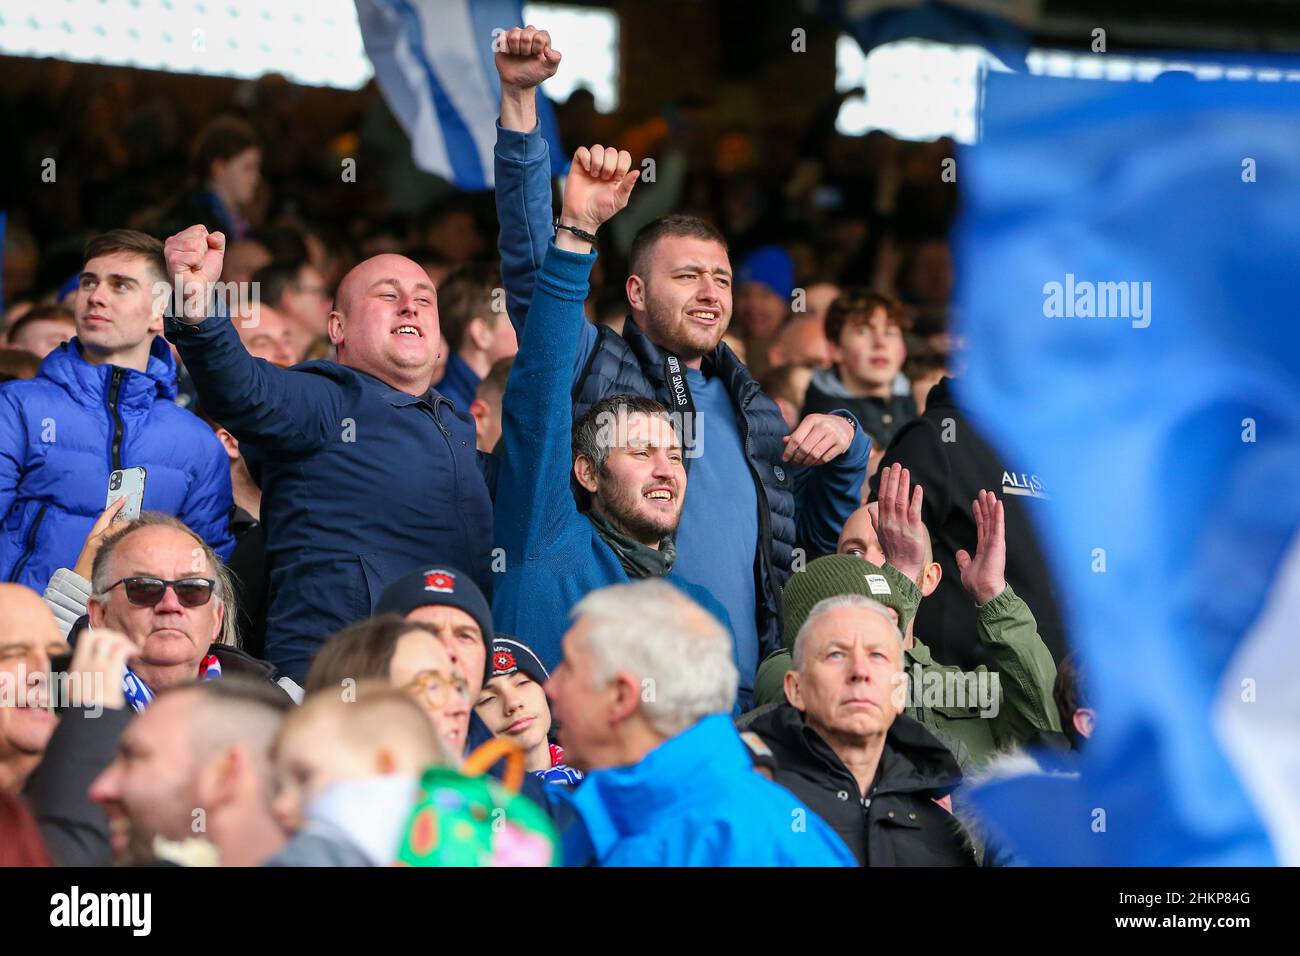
679	554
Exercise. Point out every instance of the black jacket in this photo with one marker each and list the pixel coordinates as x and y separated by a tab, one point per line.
74	827
898	824
631	364
947	456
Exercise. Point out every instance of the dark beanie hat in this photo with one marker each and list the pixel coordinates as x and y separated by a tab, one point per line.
510	655
442	585
837	574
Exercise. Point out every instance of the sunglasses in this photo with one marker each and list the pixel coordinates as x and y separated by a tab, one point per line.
146	592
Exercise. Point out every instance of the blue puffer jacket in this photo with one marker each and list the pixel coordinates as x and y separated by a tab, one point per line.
64	431
695	800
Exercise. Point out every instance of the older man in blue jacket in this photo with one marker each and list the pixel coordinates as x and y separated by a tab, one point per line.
642	701
366	470
103	401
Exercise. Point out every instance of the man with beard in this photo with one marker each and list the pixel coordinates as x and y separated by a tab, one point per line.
757	491
624	454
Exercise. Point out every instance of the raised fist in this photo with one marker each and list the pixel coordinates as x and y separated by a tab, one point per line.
194	260
524	57
598	186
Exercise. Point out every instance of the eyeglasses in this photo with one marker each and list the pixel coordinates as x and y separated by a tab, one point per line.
146	592
434	686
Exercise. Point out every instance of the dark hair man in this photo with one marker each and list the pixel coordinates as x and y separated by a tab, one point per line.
624	454
321	439
740	524
478	332
104	401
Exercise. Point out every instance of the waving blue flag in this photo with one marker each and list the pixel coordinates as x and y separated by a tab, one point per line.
1129	264
434	64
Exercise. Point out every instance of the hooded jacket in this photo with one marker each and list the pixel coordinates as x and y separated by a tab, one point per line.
695	800
63	432
361	483
897	823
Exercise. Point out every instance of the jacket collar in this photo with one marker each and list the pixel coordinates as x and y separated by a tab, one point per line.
618	801
914	760
721	361
918	653
395	396
89	384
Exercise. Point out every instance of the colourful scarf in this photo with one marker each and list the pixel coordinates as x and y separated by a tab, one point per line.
559	772
138	694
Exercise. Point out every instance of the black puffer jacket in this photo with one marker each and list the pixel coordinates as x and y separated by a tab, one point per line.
898	823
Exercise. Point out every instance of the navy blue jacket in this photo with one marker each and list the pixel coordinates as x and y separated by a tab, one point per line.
360	483
64	431
802	508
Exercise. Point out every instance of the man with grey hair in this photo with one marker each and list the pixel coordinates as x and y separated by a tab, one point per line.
642	700
842	744
160	584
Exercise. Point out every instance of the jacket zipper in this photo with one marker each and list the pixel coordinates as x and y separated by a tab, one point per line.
118	428
30	545
455	476
764	509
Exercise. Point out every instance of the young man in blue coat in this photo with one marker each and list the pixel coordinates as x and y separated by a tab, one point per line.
760	490
366	470
642	702
625	454
103	401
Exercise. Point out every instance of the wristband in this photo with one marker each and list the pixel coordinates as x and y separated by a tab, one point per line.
580	233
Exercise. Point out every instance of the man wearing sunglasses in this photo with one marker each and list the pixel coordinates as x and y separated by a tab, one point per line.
161	585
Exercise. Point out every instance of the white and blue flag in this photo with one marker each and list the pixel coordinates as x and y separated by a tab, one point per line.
433	62
1129	259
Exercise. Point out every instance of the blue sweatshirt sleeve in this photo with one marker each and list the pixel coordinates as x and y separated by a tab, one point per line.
533	497
825	496
523	199
281	410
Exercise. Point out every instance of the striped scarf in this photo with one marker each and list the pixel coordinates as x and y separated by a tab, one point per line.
138	694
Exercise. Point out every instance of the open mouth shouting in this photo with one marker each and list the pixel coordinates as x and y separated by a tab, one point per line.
705	315
408	329
662	497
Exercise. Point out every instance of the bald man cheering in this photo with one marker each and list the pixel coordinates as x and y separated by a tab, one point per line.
365	470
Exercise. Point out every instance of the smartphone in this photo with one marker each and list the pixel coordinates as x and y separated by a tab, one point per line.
126	483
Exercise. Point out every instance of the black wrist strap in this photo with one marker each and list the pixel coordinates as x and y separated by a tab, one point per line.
580	233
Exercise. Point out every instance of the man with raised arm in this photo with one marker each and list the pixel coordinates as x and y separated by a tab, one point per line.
366	470
753	501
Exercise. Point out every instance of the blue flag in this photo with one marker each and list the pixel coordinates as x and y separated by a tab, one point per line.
433	62
1129	259
1000	26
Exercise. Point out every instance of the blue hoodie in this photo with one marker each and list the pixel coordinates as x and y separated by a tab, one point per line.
64	431
695	800
553	554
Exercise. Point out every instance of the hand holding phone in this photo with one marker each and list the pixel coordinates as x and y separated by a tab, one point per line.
103	524
127	483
